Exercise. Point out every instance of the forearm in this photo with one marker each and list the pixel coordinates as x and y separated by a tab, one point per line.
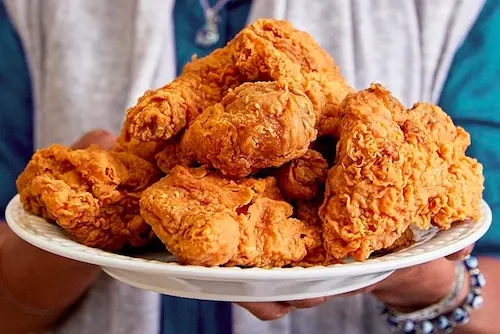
36	287
485	319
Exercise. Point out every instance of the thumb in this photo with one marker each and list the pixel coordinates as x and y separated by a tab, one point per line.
102	138
462	254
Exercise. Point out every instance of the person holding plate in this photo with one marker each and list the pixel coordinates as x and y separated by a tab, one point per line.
69	67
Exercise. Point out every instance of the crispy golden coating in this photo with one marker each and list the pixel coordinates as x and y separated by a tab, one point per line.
308	212
303	177
162	113
267	50
405	240
274	50
258	125
91	193
172	155
145	150
394	169
461	187
207	220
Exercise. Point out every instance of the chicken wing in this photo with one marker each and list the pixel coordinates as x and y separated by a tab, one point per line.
304	177
162	113
146	150
91	193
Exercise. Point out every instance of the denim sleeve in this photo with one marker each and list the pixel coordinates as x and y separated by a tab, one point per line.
16	109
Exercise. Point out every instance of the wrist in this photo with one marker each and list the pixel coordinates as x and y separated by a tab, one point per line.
51	284
418	287
452	311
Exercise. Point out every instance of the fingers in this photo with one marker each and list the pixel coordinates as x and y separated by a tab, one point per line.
307	303
97	137
273	311
460	255
267	311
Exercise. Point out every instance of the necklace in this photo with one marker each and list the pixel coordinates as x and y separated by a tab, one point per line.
208	35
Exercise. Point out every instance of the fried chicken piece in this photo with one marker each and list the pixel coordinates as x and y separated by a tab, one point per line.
303	177
204	219
405	240
146	150
274	50
307	211
172	155
462	185
162	113
267	50
256	126
460	198
393	169
91	193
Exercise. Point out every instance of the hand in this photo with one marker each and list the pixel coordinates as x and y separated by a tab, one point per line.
37	288
406	290
97	137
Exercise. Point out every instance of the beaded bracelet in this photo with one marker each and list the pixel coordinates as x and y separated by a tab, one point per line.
418	323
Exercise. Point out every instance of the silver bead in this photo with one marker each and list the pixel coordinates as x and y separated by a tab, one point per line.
471	262
408	326
459	314
425	327
477	302
442	322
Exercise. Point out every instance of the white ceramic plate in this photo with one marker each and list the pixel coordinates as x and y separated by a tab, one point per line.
159	272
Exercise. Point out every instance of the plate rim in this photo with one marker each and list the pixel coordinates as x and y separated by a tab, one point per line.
234	273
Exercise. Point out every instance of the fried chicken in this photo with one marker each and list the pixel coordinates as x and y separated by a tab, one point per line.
304	177
405	240
146	150
308	212
91	193
267	50
271	104
275	50
162	113
256	126
204	219
392	169
460	195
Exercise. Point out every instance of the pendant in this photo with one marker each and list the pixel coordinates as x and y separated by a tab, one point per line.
208	35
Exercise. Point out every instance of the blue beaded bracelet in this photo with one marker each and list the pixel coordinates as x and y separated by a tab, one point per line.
447	322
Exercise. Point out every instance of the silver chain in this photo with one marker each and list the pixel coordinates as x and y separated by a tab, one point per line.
215	9
208	35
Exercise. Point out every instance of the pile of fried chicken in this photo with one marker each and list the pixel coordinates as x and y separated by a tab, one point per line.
261	155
